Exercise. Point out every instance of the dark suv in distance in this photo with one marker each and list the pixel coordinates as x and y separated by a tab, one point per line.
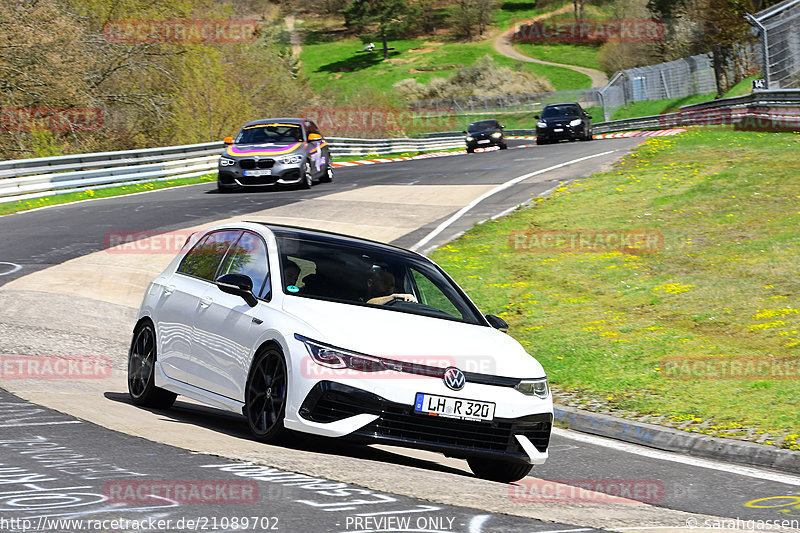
485	133
563	121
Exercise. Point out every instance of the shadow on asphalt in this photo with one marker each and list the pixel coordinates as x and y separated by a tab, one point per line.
236	426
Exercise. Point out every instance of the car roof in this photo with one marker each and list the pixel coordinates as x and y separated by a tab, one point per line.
288	120
563	103
487	122
284	230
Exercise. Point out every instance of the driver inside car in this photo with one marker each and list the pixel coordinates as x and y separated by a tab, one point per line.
380	288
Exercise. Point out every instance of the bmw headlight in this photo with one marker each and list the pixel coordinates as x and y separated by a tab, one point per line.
496	135
576	122
334	357
534	387
290	159
225	162
470	138
541	124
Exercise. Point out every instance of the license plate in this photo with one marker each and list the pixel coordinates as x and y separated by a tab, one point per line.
558	130
256	173
433	405
483	141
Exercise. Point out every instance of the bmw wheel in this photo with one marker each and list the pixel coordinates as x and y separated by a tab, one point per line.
328	177
306	178
265	395
141	371
498	470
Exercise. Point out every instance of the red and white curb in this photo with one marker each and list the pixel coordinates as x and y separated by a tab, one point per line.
652	133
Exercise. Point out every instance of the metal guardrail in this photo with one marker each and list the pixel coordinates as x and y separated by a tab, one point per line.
32	178
23	179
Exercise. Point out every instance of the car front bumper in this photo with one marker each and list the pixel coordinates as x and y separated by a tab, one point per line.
233	176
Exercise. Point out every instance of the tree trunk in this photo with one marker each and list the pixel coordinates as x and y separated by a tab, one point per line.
385	44
722	58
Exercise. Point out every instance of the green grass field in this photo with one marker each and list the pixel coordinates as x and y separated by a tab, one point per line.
723	286
565	53
657	107
336	69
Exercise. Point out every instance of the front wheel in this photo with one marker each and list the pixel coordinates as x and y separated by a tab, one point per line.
141	371
265	395
498	469
306	178
504	147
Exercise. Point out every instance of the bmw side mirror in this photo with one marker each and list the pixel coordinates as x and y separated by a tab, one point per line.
238	285
497	323
228	140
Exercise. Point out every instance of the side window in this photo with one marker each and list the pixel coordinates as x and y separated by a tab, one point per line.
431	295
249	257
204	259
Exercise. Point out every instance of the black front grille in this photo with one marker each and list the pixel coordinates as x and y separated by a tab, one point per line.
258	180
329	402
249	164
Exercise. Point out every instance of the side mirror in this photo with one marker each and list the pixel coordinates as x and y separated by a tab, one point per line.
497	323
536	116
589	117
314	137
502	127
228	140
238	285
464	132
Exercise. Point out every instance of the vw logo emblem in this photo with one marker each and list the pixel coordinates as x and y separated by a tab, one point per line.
454	378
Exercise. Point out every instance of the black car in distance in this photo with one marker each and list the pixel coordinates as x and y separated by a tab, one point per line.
485	133
563	121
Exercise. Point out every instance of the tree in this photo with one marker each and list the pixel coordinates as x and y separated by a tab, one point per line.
373	19
471	13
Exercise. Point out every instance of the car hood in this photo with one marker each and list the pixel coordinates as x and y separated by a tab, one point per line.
567	118
414	338
272	149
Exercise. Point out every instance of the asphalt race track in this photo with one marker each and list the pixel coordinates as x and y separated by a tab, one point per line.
78	450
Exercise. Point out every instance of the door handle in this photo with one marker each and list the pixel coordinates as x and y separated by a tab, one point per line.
169	290
205	302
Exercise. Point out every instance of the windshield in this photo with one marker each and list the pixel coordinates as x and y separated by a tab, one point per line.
270	133
372	277
483	125
560	111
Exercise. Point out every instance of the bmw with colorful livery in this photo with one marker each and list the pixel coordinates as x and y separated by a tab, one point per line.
275	151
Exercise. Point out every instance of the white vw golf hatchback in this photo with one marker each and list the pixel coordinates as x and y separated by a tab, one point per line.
305	331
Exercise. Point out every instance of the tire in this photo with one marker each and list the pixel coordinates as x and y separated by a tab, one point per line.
541	141
498	470
503	147
470	150
141	371
328	177
306	177
265	396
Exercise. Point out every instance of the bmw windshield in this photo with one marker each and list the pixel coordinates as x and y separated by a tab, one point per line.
270	134
372	276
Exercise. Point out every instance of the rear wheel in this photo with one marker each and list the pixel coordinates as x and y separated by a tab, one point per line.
328	177
265	395
498	470
141	371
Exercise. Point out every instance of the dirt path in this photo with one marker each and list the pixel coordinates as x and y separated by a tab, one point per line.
294	37
502	43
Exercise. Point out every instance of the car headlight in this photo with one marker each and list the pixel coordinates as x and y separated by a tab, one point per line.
333	357
470	138
290	159
496	135
541	124
576	122
534	387
225	162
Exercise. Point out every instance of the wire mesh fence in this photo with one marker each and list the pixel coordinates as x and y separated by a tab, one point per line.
778	29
